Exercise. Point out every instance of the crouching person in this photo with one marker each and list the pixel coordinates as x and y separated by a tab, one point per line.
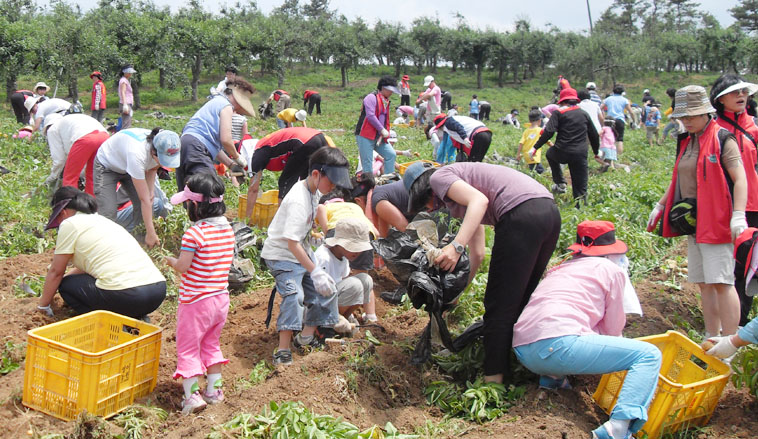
350	241
572	326
303	285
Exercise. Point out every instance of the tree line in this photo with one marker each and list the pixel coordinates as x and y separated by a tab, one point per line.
630	37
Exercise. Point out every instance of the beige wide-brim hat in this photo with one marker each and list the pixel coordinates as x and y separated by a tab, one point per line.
352	234
692	100
41	85
243	100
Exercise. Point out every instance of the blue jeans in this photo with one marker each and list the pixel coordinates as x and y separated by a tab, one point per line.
280	123
366	149
596	354
161	207
299	297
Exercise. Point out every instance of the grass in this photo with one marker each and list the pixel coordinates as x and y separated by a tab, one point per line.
621	197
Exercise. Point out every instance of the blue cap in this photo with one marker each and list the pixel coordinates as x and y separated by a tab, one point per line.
168	145
413	172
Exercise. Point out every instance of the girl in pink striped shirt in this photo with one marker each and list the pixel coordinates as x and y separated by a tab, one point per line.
206	256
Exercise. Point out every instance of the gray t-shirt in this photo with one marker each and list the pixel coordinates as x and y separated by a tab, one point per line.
395	193
505	188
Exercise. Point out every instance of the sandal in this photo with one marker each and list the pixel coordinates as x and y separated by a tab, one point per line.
550	383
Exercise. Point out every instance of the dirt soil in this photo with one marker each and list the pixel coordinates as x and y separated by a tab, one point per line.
318	380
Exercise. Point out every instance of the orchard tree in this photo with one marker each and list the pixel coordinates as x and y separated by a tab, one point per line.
15	34
197	37
425	34
746	14
345	46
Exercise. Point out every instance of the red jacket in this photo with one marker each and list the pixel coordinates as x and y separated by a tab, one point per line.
365	129
714	201
747	151
308	93
99	85
281	145
278	94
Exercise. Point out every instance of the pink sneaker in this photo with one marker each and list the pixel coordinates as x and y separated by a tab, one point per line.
214	398
193	404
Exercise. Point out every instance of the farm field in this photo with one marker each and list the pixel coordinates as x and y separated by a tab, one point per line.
364	384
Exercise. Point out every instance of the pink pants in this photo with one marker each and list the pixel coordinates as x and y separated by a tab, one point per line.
82	153
198	328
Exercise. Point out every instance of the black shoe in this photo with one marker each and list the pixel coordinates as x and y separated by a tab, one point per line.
305	348
283	357
394	297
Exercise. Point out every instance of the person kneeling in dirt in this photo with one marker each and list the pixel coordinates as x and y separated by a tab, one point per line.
301	283
349	241
339	205
526	223
573	322
111	272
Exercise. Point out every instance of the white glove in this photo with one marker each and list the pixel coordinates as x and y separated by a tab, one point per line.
240	161
47	309
723	347
738	224
467	142
532	152
323	282
655	215
385	133
125	109
600	154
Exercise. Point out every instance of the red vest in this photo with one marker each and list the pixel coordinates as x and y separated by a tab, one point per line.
714	201
367	130
308	94
747	151
278	94
466	149
102	95
282	152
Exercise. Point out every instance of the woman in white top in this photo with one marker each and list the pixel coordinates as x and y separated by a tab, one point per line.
132	157
126	97
39	107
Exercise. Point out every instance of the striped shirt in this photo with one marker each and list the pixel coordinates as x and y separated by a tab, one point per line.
212	241
238	122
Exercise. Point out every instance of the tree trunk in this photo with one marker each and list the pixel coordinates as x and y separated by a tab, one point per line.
500	69
479	75
196	76
280	77
434	64
343	71
73	89
162	78
10	85
455	67
136	85
398	66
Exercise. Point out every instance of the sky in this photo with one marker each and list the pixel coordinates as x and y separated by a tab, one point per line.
496	14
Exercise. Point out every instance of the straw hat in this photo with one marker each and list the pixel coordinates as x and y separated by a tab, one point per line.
692	100
243	100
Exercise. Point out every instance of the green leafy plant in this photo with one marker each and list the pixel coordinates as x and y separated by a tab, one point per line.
10	359
477	401
463	365
136	419
745	367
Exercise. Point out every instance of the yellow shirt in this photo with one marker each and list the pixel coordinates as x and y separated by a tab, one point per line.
106	251
341	210
287	115
528	139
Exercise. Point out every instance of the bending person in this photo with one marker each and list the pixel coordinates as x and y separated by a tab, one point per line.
111	272
527	224
469	136
74	141
572	326
132	157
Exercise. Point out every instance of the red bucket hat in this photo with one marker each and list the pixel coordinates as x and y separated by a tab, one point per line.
96	73
439	120
597	238
405	77
568	93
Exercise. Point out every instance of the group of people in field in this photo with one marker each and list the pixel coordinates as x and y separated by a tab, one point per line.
564	322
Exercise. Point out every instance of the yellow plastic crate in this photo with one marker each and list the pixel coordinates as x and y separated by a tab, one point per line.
401	167
264	210
99	361
690	384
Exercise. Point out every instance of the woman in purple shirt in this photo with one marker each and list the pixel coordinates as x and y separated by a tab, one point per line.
372	130
527	224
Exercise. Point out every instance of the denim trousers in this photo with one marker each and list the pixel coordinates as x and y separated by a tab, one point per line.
161	207
301	303
280	123
599	354
366	149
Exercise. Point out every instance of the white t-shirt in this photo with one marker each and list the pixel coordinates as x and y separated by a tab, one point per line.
293	221
593	109
338	269
127	152
62	135
50	106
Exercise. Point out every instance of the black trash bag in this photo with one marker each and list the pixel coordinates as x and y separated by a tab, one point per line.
396	250
469	335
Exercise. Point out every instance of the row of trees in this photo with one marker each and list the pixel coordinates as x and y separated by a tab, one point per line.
631	36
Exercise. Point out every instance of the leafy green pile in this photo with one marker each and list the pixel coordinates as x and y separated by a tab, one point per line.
476	401
292	419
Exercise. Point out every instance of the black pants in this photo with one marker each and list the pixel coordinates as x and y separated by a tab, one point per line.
193	159
525	238
80	293
480	143
484	111
577	163
405	99
17	102
446	102
296	167
314	100
746	302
